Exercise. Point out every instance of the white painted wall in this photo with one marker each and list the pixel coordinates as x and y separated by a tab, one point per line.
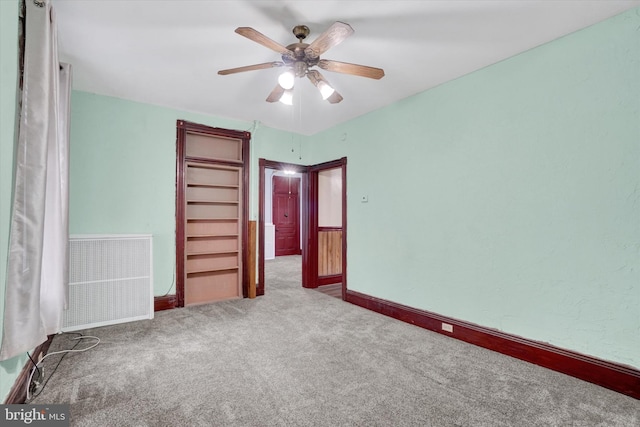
330	198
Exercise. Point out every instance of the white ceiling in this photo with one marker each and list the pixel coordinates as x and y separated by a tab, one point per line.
168	52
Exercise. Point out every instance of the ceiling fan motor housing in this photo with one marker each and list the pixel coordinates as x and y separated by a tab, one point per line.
300	62
300	68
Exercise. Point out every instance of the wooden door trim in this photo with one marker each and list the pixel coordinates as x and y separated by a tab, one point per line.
182	128
344	228
329	228
332	164
311	279
329	280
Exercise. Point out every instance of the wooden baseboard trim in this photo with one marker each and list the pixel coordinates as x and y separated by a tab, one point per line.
165	302
329	280
18	393
617	377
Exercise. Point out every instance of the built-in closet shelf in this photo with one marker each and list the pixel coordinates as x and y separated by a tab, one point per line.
212	253
212	270
203	184
214	202
212	213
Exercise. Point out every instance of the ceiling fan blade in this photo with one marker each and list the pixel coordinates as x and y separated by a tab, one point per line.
354	69
321	83
265	41
251	68
333	36
275	94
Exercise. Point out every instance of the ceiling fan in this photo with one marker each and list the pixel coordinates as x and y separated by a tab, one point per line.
299	59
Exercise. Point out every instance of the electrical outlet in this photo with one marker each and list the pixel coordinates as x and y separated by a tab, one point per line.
447	327
35	386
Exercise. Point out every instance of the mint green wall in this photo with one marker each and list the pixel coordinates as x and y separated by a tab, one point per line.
509	197
122	169
272	144
122	177
9	369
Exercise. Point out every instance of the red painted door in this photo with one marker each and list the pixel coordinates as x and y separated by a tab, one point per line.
286	215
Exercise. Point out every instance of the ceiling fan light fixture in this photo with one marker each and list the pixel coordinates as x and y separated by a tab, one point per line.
286	79
298	60
287	97
325	89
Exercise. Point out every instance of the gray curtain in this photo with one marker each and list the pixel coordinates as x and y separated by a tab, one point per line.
36	283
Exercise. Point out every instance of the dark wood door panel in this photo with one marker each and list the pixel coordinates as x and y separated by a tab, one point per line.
286	215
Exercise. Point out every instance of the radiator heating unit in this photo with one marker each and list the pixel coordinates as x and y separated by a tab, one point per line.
110	280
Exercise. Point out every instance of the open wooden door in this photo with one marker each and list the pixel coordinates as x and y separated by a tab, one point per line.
327	224
211	214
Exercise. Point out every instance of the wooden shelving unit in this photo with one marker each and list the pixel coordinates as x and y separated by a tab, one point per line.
213	236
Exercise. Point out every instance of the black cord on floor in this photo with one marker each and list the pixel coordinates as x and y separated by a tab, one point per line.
36	365
58	364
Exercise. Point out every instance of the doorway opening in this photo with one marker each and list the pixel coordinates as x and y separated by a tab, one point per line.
321	192
292	238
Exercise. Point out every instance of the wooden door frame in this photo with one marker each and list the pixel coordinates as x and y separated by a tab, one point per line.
308	220
182	128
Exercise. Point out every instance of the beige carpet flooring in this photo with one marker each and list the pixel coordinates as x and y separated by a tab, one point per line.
297	357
